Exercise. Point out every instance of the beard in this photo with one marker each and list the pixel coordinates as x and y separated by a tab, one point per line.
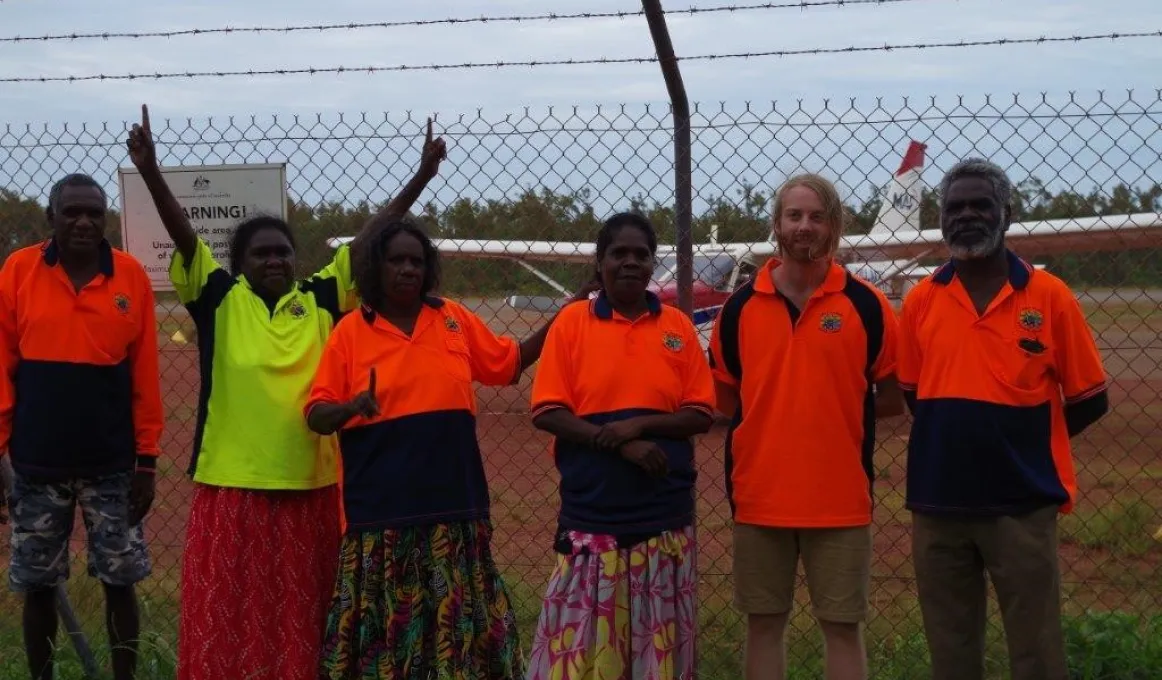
974	240
804	250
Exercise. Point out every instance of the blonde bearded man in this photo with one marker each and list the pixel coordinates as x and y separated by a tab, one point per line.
804	357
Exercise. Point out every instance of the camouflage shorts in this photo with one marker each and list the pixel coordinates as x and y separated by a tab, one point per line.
42	522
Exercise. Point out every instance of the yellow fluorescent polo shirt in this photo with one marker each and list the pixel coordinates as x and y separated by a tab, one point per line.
256	369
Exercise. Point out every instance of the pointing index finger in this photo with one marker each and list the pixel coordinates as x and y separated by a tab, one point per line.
145	117
429	138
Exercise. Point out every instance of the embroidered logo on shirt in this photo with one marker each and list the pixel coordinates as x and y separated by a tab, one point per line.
673	342
830	322
297	310
121	302
451	324
1031	319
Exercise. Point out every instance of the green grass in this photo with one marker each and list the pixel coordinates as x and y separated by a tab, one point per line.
1101	645
1122	527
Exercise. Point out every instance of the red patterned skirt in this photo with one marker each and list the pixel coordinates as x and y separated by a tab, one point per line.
257	575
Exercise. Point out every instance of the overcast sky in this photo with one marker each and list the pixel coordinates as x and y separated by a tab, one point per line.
1056	69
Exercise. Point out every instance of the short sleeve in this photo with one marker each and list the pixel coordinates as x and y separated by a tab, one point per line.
697	379
553	382
885	364
907	345
332	384
717	365
9	350
190	279
1079	364
495	359
337	277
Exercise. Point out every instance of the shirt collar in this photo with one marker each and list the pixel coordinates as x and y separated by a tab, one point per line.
834	282
1019	271
369	314
52	255
603	309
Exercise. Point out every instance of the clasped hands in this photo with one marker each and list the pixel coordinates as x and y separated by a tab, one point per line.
625	437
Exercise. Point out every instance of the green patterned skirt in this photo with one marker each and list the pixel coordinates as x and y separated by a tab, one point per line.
421	603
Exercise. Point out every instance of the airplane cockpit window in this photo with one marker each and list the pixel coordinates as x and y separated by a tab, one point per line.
713	270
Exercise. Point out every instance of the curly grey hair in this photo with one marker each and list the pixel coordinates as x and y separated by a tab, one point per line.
979	167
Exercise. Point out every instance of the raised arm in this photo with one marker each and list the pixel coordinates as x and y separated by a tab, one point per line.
144	156
434	151
532	346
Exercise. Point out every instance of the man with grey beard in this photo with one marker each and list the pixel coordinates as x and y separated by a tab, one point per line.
1000	370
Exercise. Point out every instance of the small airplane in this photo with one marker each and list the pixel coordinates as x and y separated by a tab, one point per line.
888	256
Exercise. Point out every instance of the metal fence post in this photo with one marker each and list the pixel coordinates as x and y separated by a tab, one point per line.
683	194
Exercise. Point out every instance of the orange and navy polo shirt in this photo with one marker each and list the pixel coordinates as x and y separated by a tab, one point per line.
418	461
799	449
605	368
81	392
995	397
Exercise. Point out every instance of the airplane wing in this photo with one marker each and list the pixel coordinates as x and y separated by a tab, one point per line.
1028	239
534	251
545	251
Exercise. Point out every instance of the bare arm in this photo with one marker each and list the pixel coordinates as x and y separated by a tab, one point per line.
561	423
326	418
684	423
144	156
889	398
530	347
434	151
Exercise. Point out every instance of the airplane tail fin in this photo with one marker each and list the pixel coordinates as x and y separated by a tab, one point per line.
901	196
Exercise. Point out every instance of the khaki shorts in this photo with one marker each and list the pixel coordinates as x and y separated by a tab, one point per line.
837	563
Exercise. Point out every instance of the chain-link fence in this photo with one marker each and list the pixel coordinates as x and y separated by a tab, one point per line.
553	174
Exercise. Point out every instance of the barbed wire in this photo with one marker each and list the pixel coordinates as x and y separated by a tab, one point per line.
552	16
312	70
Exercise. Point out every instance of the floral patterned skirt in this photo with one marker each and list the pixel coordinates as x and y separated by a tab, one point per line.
420	603
620	614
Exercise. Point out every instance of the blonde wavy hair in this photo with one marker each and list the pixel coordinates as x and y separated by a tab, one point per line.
833	211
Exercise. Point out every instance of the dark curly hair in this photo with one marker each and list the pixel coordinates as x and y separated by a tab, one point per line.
367	258
245	231
73	180
619	221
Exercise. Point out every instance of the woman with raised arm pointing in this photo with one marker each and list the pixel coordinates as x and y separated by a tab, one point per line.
263	532
418	594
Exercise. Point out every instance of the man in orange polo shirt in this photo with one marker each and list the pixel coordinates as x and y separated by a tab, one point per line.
80	416
804	360
999	369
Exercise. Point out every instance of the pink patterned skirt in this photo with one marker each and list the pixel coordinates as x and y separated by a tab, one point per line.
620	614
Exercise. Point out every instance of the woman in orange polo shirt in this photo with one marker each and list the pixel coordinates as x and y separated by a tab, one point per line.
418	594
621	603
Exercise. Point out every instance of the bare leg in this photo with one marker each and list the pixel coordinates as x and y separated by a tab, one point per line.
122	621
40	623
844	651
766	653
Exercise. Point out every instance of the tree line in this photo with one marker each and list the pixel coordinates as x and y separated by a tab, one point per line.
547	215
